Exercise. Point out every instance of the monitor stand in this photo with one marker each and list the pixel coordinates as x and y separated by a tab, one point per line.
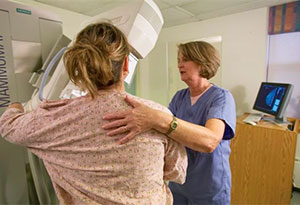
276	120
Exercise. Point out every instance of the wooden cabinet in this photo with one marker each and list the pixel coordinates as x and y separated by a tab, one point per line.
262	162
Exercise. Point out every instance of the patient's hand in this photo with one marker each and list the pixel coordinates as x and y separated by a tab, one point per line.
132	121
16	105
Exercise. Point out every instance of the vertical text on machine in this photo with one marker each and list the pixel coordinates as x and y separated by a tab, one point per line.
4	96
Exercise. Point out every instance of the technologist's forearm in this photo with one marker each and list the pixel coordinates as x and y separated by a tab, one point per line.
194	136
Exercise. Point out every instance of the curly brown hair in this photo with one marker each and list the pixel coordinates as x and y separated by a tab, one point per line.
95	59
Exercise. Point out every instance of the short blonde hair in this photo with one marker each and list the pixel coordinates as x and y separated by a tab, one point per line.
95	59
203	54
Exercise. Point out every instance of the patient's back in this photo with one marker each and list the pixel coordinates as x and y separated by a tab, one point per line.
87	166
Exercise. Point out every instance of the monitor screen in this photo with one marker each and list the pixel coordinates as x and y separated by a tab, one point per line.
273	98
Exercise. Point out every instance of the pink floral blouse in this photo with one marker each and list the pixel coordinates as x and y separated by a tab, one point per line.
88	167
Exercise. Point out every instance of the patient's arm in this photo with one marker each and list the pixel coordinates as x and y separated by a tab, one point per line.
175	162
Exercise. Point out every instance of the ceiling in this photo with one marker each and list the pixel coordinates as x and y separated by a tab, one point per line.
175	12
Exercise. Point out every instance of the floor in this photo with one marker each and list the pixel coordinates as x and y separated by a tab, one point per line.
296	198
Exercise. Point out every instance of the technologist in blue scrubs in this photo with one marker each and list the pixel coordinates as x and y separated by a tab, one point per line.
203	120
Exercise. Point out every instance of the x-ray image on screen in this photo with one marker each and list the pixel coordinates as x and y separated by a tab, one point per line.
270	97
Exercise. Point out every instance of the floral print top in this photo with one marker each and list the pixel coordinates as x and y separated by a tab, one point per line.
88	167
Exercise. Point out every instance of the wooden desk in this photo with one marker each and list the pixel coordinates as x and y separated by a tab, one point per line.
262	163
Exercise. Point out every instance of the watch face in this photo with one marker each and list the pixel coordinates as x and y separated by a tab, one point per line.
174	125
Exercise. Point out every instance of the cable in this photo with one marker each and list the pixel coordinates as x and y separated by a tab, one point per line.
49	68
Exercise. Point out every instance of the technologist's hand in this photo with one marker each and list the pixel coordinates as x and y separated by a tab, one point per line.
132	121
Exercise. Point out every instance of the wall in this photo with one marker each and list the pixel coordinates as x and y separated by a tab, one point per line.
243	52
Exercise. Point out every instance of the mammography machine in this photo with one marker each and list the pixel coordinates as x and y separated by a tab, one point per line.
31	69
27	36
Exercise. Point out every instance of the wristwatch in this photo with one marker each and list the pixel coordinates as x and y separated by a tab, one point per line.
173	125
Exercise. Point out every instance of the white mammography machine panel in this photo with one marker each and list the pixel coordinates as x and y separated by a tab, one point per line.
29	39
27	36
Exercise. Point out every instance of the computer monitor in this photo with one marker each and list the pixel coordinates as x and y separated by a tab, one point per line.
273	98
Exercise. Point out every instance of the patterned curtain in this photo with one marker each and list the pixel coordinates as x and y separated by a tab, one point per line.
284	18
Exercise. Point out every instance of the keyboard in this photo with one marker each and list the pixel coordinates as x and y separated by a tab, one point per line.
253	118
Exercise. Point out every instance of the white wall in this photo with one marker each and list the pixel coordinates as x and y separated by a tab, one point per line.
244	49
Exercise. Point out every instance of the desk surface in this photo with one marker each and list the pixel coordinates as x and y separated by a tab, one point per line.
268	124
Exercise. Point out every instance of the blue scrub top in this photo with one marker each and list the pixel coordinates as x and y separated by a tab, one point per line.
208	174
